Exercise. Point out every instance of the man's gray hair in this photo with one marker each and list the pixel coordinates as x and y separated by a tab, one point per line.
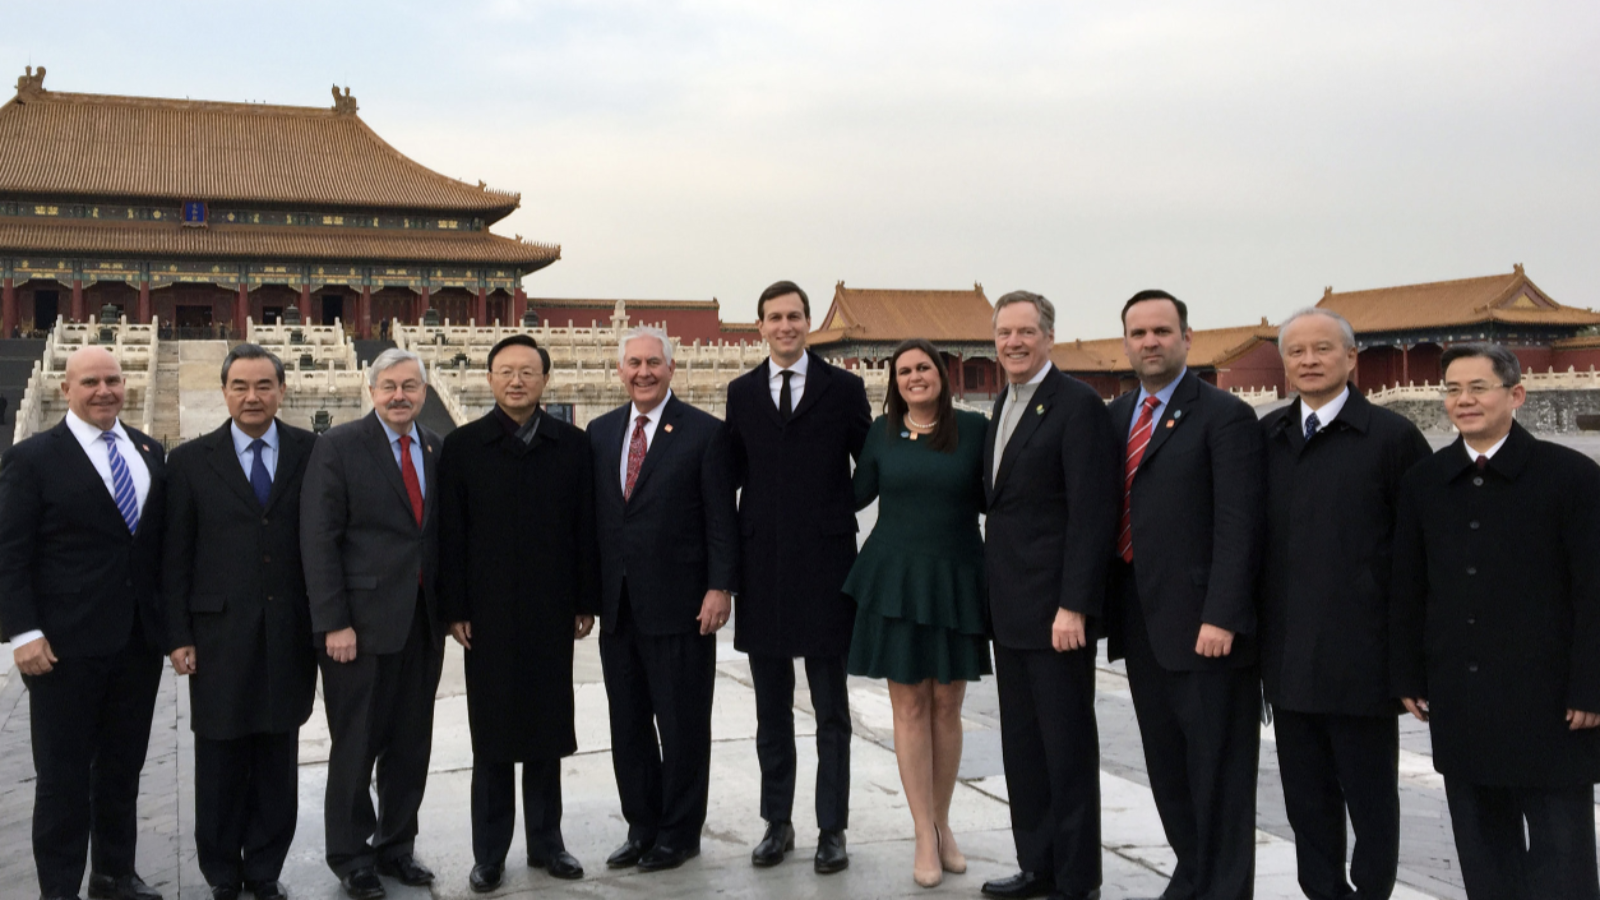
390	358
645	331
1047	310
1507	367
1345	330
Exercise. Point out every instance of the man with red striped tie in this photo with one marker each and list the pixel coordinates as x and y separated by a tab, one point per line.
1183	598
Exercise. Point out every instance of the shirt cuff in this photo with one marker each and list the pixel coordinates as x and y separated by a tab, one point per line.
27	637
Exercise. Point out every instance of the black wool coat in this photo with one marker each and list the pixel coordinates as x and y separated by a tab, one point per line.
1331	507
797	521
517	559
235	589
1496	610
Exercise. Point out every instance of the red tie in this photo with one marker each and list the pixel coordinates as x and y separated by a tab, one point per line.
1137	441
408	474
636	450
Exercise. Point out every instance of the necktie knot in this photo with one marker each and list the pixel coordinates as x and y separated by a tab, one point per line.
1312	424
642	421
1151	402
257	444
786	396
1482	462
405	443
109	437
260	478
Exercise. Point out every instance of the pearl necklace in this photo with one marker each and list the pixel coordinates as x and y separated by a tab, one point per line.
918	425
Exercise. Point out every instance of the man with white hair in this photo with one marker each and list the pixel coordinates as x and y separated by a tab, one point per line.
669	549
370	544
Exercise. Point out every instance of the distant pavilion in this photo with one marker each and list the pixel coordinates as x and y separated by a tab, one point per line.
865	325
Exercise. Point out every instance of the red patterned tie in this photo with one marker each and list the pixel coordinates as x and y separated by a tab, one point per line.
636	448
408	474
1137	441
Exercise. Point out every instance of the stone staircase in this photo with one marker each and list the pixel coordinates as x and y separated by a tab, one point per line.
165	424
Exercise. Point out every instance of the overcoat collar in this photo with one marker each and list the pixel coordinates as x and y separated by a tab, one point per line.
1027	423
494	431
1508	461
1356	414
818	379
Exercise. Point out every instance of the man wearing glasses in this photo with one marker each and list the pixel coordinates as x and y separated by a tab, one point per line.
1496	635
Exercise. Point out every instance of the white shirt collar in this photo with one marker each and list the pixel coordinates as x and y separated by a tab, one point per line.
653	415
1325	413
800	367
242	441
1473	454
88	433
1041	374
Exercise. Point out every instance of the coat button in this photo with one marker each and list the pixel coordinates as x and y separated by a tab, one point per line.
1472	667
269	598
1471	620
1472	570
267	522
266	559
1477	481
1472	525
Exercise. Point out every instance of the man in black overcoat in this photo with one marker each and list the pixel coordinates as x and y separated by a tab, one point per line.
1184	575
1050	476
1334	463
669	558
1496	642
795	423
81	509
239	625
519	580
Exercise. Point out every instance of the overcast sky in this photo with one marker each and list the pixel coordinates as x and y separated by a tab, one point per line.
1242	155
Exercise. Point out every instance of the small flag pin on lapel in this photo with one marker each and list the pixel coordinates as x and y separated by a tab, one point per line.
1039	409
1177	414
1170	422
668	427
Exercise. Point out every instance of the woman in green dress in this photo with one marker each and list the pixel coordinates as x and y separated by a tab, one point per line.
919	587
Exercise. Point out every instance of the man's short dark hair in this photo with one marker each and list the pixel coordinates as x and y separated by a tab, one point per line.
1506	366
519	340
1154	294
251	351
778	289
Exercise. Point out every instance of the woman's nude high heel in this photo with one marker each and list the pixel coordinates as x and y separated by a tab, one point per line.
928	877
953	861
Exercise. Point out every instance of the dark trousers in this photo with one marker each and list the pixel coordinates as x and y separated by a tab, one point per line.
660	685
1333	765
1557	857
1202	744
246	802
1051	746
494	809
380	716
90	725
773	677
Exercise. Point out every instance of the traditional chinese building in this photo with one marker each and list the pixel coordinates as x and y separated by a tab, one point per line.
865	325
204	213
687	320
1244	358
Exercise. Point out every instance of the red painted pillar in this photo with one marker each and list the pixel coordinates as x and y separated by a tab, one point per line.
305	302
364	320
144	302
481	313
77	300
8	307
423	300
519	305
241	311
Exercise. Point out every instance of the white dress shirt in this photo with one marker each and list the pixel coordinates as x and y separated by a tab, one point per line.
654	419
416	452
269	454
1473	454
797	381
94	445
1326	413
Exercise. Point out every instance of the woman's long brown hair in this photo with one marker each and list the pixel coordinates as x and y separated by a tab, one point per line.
945	435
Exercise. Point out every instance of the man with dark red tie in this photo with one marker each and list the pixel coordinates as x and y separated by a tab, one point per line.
1184	610
370	544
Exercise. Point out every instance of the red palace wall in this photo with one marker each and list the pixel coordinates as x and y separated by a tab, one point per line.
1258	369
687	325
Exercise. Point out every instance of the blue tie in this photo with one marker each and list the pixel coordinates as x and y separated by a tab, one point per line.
1312	424
260	481
122	483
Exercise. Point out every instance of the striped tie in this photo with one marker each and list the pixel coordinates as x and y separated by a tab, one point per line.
122	483
1137	441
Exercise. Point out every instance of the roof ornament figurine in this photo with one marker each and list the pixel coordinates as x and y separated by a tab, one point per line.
344	105
30	85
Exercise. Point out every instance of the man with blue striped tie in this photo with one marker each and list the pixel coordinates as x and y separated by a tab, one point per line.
80	553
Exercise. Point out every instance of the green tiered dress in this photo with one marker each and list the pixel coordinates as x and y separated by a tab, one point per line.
922	602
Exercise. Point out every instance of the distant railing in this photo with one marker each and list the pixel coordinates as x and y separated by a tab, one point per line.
446	393
1549	380
1256	396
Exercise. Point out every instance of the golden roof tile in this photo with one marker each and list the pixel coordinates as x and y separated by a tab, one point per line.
1511	298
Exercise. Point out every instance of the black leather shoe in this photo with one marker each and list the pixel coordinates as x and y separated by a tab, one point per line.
560	864
486	877
225	892
627	856
58	897
122	887
831	855
1019	886
1092	895
407	869
778	839
362	884
267	890
661	858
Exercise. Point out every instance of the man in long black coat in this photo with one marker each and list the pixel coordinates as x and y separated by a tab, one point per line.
239	625
795	423
518	580
1334	463
1497	635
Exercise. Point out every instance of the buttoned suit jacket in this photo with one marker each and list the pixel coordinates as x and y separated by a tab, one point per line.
1052	512
68	564
365	555
1198	517
235	588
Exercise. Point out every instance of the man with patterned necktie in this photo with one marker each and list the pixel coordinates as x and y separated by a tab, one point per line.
239	625
81	510
369	539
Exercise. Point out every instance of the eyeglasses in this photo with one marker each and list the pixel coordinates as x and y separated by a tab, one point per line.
1475	390
524	374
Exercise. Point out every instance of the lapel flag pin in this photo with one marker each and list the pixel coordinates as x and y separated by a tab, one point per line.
1170	422
668	427
1177	414
145	447
1039	409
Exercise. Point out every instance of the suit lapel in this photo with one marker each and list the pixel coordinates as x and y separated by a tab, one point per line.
293	451
611	444
661	444
430	468
817	381
1027	423
73	452
763	392
1172	417
225	462
377	443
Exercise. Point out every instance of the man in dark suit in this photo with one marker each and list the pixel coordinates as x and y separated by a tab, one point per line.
1497	635
81	509
1334	463
1184	576
369	537
519	580
669	545
795	423
1050	477
239	625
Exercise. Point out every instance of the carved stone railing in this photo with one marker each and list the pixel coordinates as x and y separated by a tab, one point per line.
1256	396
